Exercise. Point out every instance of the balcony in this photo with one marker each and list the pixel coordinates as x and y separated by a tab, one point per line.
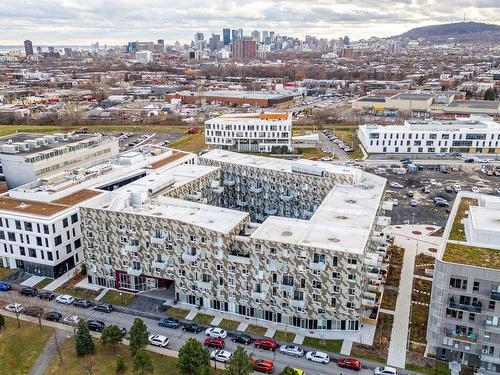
460	306
238	257
159	264
218	190
490	358
495	295
259	295
491	328
229	182
204	284
461	336
300	303
272	265
131	248
134	271
195	196
271	211
352	266
241	203
318	266
260	217
287	197
158	240
307	214
190	256
256	189
286	288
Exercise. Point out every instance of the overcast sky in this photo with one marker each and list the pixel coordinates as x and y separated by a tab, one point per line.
82	22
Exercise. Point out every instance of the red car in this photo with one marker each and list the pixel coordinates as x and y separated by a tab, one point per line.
350	363
213	342
267	344
263	365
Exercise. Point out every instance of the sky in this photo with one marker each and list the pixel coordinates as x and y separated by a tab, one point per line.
114	22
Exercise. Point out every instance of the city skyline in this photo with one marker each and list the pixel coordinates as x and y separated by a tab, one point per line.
71	22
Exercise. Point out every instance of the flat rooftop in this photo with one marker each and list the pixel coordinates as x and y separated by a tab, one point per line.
254	116
412	96
238	94
479	104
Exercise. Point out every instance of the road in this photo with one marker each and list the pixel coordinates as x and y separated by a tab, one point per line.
177	336
338	152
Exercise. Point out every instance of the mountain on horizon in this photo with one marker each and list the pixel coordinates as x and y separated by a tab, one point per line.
461	31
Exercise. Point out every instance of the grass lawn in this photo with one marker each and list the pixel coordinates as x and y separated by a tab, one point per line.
312	153
368	357
389	300
174	312
104	362
193	143
229	325
418	323
457	232
118	298
328	345
472	255
439	368
423	285
42	284
69	288
20	347
203	318
377	352
4	272
256	330
284	336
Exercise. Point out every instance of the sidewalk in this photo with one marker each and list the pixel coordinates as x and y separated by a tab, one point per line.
50	350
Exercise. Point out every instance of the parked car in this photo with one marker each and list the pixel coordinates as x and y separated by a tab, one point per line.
29	291
409	194
396	185
104	307
35	311
95	325
317	356
46	295
192	327
14	307
214	342
266	344
413	203
425	190
395	202
169	323
385	370
442	203
457	188
292	350
5	287
65	299
158	340
84	303
72	319
242	338
448	189
475	189
263	365
216	332
433	182
53	316
220	355
497	190
350	363
470	160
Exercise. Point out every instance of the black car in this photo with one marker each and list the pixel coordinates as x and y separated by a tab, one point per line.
469	160
104	307
242	338
95	325
34	311
46	295
29	291
192	327
53	316
82	303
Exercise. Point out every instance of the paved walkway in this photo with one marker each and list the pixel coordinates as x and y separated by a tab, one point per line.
399	335
60	281
299	339
216	321
346	347
385	311
102	294
242	327
270	332
191	315
50	350
32	281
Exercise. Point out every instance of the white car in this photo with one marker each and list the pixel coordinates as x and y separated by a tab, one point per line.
396	185
395	202
457	188
326	158
216	332
497	190
319	357
385	370
293	350
220	355
433	182
73	319
158	340
14	307
65	299
484	160
475	189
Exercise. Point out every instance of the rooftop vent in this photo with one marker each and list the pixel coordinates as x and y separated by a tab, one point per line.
333	239
286	233
351	201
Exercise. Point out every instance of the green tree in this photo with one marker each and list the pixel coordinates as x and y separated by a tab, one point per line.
193	358
490	94
288	371
83	343
121	366
143	363
240	363
111	335
138	336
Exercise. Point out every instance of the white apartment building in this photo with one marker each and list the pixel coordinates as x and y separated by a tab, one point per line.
26	157
40	229
250	132
144	57
474	135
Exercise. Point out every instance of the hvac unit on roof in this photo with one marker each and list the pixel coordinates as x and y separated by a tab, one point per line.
22	146
60	136
41	141
9	149
32	143
50	138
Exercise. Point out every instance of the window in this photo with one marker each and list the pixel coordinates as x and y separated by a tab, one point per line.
12	236
68	248
333	302
65	222
287	280
28	227
74	218
2	235
78	244
316	284
475	287
22	251
46	229
335	275
18	224
458	283
350	305
39	241
32	253
57	240
491	305
49	255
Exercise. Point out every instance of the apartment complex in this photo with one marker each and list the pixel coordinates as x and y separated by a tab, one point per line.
293	242
464	315
26	157
474	135
250	132
40	229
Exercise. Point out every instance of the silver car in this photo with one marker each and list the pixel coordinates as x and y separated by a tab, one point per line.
292	350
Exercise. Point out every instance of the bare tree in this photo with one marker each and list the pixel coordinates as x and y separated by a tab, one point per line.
88	365
57	344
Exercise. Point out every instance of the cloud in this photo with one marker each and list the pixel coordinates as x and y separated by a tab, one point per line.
118	21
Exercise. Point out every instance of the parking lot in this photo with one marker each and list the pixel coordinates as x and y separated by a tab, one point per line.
129	140
426	212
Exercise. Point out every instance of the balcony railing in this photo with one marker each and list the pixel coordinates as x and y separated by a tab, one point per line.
319	266
229	182
204	284
298	303
131	248
241	203
190	256
271	211
460	336
259	295
218	190
495	295
490	358
287	197
286	288
256	189
159	264
134	271
461	306
158	240
239	258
